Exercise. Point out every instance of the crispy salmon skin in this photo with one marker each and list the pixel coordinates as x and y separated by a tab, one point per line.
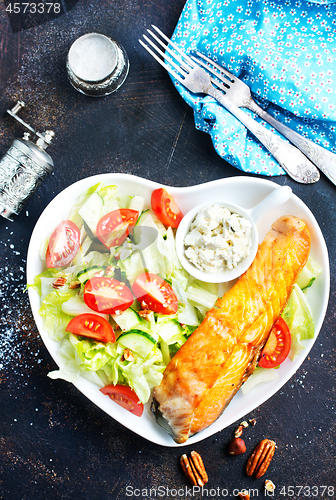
205	374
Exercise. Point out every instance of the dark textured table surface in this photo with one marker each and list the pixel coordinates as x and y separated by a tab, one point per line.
55	444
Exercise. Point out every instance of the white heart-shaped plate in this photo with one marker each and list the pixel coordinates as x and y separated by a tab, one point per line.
243	191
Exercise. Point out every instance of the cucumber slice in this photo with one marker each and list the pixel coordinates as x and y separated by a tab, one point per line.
137	341
137	203
142	217
149	219
91	211
169	330
84	276
305	279
130	320
127	320
309	274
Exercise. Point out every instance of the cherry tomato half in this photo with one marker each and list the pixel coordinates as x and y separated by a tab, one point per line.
114	227
93	326
107	295
155	293
277	346
63	245
165	208
125	397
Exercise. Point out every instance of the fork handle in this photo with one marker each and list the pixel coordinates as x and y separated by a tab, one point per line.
289	157
323	159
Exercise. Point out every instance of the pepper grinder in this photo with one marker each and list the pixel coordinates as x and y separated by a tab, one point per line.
23	167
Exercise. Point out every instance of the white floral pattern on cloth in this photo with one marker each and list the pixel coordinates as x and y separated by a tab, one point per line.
285	51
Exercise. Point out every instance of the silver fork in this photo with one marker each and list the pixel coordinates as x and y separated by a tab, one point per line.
240	94
197	80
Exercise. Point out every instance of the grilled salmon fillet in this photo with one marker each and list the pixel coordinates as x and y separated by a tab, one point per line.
207	371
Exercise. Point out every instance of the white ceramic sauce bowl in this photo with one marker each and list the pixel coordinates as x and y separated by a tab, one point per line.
279	196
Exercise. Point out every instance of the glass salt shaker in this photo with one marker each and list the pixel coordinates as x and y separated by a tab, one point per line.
96	65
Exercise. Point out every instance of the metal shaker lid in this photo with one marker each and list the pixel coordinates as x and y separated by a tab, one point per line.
92	57
34	152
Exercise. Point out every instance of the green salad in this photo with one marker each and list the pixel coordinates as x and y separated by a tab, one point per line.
145	340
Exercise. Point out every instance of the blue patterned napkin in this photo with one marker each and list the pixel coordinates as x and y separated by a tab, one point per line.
285	51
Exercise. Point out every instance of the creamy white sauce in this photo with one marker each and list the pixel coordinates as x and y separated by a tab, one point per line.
218	239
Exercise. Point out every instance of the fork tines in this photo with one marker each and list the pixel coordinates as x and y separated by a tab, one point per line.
181	62
223	82
229	76
185	63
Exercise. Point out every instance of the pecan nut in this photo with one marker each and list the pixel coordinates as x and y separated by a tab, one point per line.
269	485
260	459
239	431
127	355
146	314
244	495
109	271
59	282
74	284
194	469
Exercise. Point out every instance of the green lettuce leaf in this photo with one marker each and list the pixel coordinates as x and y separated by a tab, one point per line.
37	284
140	374
105	364
55	320
69	368
74	215
92	355
259	375
299	319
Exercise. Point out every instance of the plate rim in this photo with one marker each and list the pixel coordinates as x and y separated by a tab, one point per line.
85	386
